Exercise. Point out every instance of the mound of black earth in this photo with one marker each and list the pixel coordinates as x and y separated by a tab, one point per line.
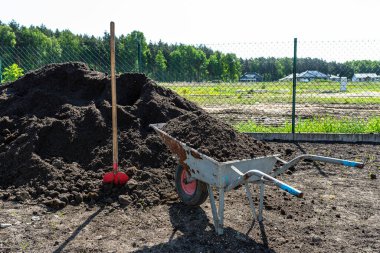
214	138
55	137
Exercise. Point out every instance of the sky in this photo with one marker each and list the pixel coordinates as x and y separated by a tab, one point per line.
238	25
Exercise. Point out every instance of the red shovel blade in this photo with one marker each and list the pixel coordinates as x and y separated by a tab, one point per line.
119	178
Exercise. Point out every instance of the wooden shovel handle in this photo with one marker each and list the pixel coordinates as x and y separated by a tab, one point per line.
113	88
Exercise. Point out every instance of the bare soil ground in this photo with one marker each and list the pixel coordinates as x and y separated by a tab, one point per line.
278	113
339	213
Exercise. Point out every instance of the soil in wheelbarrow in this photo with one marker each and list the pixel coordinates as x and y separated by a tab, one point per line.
55	137
214	138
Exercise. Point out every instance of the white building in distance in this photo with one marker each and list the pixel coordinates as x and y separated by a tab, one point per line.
365	77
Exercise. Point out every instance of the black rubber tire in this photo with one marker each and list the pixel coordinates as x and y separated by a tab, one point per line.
200	195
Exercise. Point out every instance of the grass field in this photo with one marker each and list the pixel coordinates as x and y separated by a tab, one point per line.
323	92
316	125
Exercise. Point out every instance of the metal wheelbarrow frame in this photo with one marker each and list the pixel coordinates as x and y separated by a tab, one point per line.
197	169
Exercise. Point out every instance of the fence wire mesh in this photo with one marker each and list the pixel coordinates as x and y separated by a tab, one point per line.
249	85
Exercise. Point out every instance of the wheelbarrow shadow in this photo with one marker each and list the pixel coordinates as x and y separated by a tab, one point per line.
320	170
193	232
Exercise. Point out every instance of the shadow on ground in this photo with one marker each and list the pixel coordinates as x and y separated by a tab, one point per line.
320	170
78	230
193	232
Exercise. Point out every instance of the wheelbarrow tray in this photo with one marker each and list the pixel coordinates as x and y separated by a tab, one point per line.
209	170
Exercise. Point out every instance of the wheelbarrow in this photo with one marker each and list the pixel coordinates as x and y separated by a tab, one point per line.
197	174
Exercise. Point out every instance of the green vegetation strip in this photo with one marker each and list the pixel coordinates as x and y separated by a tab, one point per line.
316	125
275	92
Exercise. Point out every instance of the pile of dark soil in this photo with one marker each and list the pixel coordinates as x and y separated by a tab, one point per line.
55	137
214	138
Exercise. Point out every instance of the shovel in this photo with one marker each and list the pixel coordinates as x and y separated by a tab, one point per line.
115	177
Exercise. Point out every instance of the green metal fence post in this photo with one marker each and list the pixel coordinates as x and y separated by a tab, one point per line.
1	73
139	55
294	87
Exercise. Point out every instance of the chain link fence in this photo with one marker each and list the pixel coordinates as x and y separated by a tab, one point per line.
304	86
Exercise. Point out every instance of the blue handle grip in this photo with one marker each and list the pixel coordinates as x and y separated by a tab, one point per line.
291	190
352	164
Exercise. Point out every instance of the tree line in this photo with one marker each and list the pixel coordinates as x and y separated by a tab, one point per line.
34	46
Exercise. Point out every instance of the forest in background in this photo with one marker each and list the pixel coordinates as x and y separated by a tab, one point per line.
34	46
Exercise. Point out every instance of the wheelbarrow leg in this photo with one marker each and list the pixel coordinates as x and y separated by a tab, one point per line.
213	208
249	196
261	205
217	216
221	210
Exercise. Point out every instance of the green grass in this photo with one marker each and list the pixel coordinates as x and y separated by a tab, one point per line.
277	92
321	92
317	125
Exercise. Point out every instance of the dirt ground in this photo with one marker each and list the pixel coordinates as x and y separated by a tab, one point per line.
339	213
278	113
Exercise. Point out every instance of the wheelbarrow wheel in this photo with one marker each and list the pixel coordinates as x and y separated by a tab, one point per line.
193	193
